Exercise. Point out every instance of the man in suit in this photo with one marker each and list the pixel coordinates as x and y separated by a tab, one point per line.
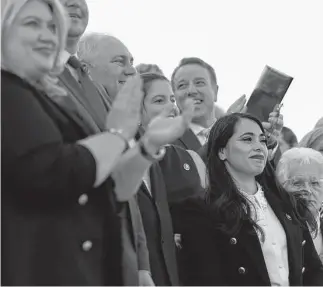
195	78
92	106
110	63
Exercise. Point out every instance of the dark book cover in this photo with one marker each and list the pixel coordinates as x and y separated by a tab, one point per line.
270	91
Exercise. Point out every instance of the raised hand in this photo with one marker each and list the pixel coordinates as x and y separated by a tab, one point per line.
163	129
274	125
239	106
124	115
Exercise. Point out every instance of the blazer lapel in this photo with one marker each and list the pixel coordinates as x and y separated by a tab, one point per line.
156	182
158	189
79	108
293	234
190	140
93	99
72	85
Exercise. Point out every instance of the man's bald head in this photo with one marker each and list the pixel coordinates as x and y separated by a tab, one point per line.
110	62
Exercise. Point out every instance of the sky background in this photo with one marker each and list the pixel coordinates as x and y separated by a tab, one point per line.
237	37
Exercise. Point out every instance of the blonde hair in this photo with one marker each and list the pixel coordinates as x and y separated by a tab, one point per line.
49	82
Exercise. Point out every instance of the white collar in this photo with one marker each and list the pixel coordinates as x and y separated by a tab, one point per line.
196	128
258	200
259	192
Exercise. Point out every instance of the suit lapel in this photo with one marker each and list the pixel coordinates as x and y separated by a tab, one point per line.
79	107
72	85
190	140
93	99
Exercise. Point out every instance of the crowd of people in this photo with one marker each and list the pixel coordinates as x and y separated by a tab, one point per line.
116	175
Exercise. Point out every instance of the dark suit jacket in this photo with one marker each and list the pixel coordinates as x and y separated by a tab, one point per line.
212	258
56	228
159	231
188	141
93	106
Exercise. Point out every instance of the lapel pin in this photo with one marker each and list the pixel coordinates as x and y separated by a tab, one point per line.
288	216
186	166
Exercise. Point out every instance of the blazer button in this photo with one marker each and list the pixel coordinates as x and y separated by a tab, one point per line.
83	199
233	241
87	245
242	270
303	269
303	243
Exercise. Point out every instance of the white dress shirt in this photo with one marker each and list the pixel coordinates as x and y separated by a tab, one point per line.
200	132
274	245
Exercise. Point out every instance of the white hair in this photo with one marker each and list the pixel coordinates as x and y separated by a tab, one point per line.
48	83
90	45
296	156
312	138
319	123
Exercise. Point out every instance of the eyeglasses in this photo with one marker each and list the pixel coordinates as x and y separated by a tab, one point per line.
304	184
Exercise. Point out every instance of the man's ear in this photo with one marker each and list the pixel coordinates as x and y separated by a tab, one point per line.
215	89
222	154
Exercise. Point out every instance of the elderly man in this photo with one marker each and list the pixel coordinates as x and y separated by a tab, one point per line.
89	105
300	171
110	64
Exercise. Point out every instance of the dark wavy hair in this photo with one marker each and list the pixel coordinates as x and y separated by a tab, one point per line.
227	204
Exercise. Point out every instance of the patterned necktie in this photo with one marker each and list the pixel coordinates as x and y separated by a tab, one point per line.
204	134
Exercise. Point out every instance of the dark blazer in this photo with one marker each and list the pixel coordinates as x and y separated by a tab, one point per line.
188	141
159	231
56	228
93	106
182	181
214	258
182	184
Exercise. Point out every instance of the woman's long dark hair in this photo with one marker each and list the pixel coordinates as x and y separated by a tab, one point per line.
227	204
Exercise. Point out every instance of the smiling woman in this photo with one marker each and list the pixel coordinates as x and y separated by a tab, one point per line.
32	55
246	231
158	98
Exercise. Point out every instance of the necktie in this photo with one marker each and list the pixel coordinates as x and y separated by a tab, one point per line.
90	93
203	135
74	63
